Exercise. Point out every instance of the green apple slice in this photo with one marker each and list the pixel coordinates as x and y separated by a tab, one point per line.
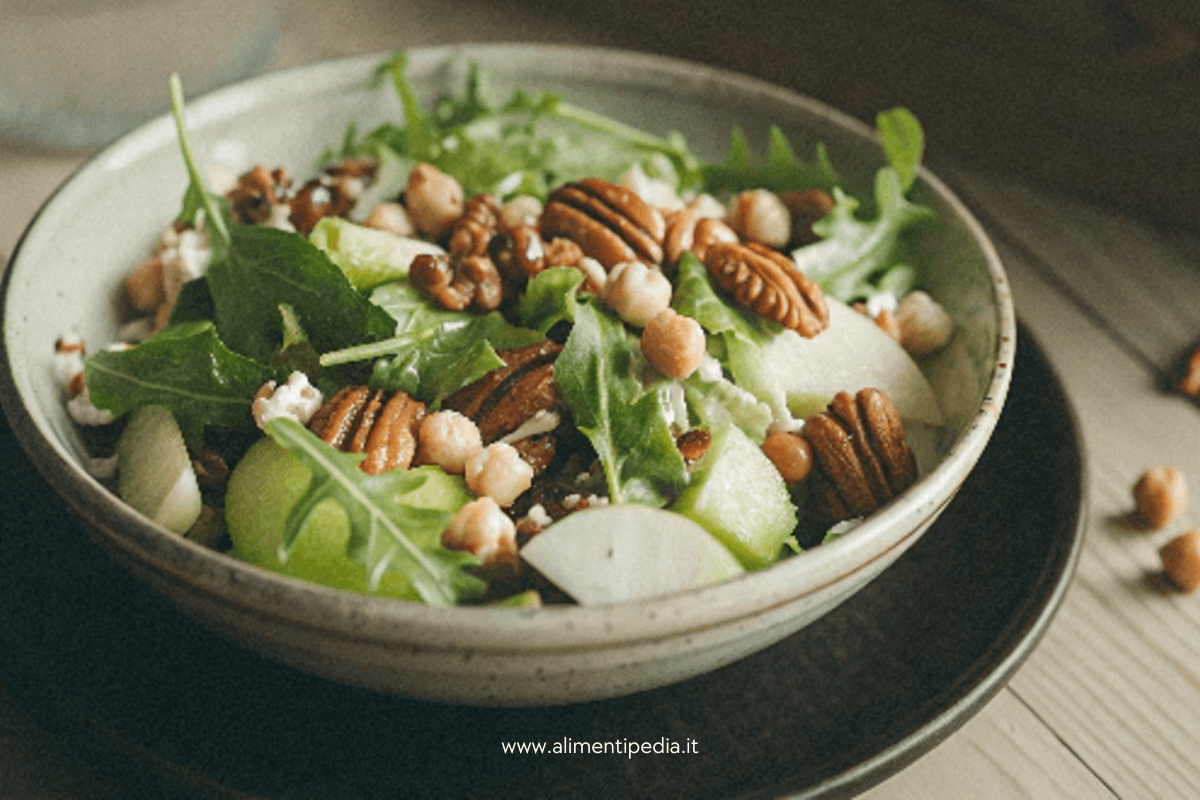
852	353
269	481
608	554
368	256
738	496
154	471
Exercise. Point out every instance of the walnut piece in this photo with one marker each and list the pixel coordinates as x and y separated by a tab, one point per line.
768	283
382	424
610	223
861	459
471	283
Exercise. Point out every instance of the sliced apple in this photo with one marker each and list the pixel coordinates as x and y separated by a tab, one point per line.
609	554
852	353
368	256
737	495
154	471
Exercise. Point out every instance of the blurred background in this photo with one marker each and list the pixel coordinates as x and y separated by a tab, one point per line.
1096	97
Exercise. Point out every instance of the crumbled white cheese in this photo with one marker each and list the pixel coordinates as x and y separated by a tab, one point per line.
186	259
296	399
84	411
880	302
280	213
653	191
543	421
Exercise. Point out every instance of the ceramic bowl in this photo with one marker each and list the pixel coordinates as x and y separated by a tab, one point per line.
106	217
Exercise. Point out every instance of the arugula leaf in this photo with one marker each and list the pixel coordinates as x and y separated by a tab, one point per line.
597	377
852	251
184	367
529	143
780	171
196	197
903	142
265	267
385	532
715	400
549	298
435	352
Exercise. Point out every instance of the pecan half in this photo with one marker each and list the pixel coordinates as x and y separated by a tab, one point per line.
768	283
504	399
518	252
861	458
610	223
380	423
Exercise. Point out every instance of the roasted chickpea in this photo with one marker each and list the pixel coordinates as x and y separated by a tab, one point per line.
637	292
434	200
791	455
673	344
1160	496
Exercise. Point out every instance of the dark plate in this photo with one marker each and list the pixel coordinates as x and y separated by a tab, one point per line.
159	705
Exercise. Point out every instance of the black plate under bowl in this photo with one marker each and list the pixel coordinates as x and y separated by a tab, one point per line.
157	705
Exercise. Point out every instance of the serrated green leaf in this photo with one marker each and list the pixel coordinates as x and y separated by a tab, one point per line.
549	298
385	532
854	252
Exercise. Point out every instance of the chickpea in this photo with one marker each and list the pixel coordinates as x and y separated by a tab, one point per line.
447	439
391	217
637	292
1181	560
434	200
1160	496
673	344
499	472
481	527
791	455
760	216
145	285
923	324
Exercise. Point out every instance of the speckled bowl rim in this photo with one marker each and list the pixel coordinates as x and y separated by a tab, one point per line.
165	558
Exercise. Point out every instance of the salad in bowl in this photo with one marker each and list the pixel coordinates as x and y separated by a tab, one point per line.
633	404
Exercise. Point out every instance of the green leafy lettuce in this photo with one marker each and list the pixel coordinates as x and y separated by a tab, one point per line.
186	368
598	374
854	254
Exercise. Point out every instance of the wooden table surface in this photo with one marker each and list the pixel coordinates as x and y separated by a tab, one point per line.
1108	705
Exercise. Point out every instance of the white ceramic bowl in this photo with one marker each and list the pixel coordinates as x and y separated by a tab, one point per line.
73	256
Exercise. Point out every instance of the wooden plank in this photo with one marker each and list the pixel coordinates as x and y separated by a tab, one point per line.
1004	752
1118	676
